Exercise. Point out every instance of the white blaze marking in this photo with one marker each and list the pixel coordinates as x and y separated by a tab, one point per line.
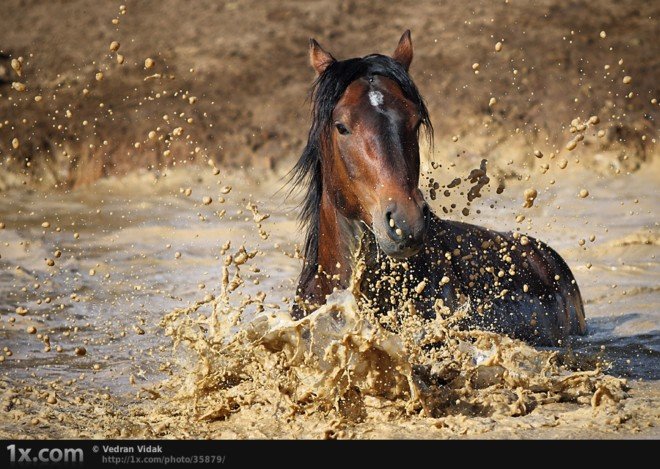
375	98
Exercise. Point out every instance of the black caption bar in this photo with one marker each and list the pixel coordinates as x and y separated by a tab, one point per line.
289	454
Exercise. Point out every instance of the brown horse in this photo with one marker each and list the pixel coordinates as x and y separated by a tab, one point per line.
361	166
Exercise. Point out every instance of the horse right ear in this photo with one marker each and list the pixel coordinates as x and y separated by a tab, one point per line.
404	51
319	58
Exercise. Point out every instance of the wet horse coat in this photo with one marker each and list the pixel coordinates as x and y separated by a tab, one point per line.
361	168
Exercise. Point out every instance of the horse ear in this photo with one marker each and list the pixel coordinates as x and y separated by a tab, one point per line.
404	51
319	58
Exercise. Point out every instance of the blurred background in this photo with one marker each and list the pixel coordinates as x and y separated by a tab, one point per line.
228	81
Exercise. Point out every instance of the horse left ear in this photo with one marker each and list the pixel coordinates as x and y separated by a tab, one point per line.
318	57
404	51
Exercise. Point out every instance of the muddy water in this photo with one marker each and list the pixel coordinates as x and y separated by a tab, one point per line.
152	249
136	249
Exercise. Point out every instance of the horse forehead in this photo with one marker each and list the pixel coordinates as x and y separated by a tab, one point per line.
375	94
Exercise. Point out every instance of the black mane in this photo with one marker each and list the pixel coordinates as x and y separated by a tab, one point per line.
326	92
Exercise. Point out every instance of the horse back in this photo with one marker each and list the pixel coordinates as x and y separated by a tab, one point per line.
516	284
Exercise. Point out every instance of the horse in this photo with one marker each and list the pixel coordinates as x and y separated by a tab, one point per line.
361	170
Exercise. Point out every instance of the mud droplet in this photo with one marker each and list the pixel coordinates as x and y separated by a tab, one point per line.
17	66
530	196
570	146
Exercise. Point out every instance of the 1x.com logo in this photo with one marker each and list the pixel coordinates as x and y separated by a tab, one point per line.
25	455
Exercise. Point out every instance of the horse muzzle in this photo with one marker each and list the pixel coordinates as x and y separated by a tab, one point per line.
403	228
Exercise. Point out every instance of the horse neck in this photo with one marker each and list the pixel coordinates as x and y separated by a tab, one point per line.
337	242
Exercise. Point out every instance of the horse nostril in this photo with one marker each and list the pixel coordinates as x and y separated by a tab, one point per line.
390	220
395	231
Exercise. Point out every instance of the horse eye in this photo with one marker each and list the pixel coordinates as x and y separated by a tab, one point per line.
341	128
